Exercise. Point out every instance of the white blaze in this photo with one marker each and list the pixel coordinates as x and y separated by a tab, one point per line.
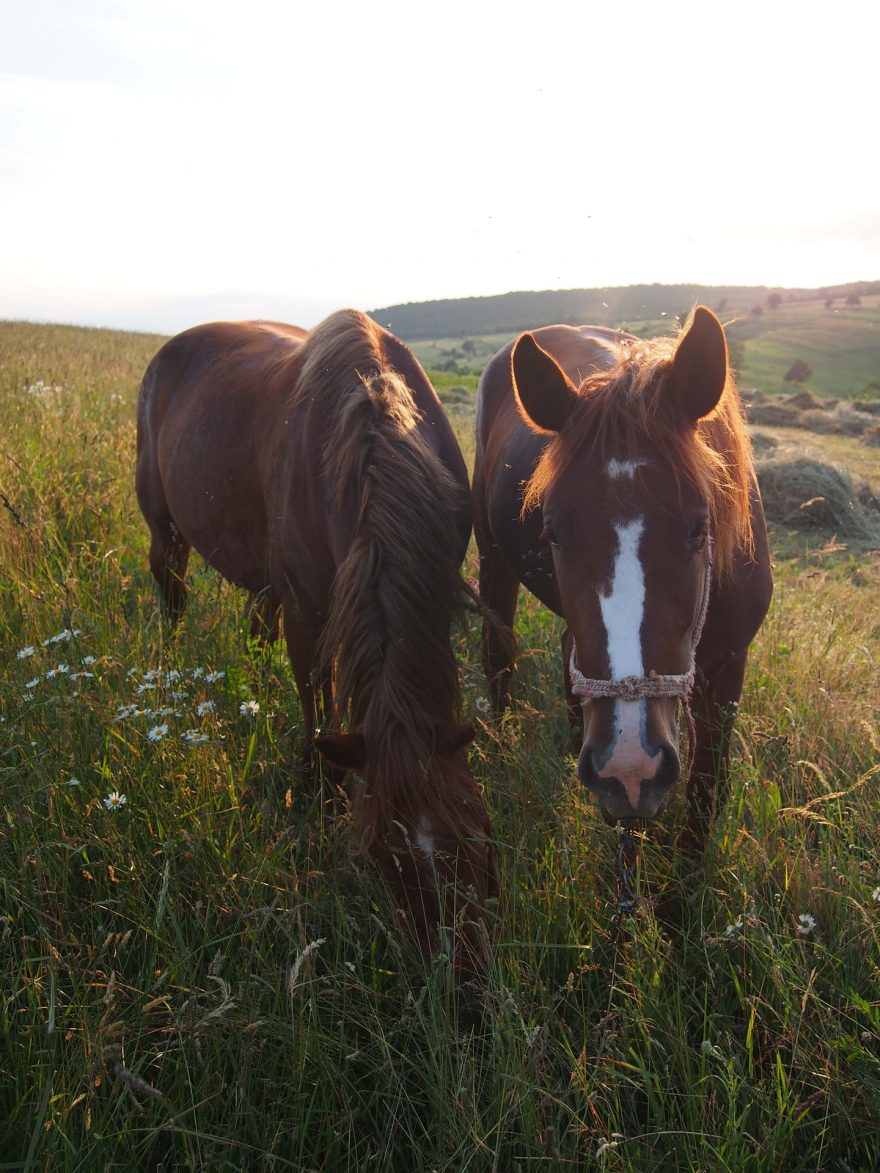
624	468
623	610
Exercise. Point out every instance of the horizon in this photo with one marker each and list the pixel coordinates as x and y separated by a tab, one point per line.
186	164
311	317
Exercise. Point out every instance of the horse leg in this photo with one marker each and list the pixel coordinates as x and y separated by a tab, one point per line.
714	704
314	685
169	555
498	592
265	612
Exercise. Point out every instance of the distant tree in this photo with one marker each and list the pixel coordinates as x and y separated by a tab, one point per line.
774	301
469	346
757	311
798	372
829	302
853	299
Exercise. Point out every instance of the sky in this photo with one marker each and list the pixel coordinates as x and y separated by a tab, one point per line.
166	162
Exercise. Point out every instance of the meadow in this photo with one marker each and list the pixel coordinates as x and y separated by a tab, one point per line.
198	971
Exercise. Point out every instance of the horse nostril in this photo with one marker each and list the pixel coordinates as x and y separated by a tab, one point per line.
634	789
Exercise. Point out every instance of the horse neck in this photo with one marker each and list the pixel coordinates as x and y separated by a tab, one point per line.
397	589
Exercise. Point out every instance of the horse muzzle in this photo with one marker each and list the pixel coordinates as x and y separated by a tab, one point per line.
629	786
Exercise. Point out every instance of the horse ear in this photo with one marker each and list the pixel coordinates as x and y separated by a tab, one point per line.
347	750
699	368
448	737
544	395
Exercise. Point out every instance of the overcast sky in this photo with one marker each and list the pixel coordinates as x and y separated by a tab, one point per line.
167	161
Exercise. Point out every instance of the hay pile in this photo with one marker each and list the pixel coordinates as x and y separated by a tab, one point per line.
842	420
837	417
808	495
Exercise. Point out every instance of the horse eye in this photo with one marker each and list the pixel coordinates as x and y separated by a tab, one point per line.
548	534
699	533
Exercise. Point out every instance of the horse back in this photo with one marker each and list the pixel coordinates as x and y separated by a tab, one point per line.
208	416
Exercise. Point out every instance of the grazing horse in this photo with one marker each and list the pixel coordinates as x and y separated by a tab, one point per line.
614	480
319	472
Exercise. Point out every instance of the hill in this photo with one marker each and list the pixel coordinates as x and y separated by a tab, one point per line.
508	313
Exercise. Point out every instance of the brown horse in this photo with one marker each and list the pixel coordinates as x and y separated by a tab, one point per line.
614	480
319	471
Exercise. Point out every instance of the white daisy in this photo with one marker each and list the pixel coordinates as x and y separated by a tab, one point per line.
205	707
158	732
807	923
213	677
249	708
194	737
114	801
25	652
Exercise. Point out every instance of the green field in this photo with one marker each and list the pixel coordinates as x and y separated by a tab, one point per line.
841	344
208	978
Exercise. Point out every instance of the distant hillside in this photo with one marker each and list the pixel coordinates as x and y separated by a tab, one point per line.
508	313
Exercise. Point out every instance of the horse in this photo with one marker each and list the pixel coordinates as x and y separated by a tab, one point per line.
614	480
318	471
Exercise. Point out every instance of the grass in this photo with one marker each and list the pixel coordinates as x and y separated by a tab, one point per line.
209	978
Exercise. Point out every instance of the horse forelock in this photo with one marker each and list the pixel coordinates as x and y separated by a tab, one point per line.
622	410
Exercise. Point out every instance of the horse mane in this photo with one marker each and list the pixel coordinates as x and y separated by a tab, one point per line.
623	407
398	590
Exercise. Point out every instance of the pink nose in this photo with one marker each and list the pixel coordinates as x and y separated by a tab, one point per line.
631	766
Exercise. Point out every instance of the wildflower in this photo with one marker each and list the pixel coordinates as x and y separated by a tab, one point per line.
483	705
114	801
125	711
73	782
197	673
25	652
608	1146
808	923
33	683
875	895
89	660
179	695
158	732
205	707
213	677
731	929
249	708
194	737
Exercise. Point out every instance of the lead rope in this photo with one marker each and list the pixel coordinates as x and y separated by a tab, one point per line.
627	873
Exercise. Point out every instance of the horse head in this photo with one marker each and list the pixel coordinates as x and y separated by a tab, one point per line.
629	496
424	821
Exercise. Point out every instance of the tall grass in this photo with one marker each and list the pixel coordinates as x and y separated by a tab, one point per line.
208	976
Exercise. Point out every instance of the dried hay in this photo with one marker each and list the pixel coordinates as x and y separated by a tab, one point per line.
805	401
762	443
844	420
773	415
808	495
